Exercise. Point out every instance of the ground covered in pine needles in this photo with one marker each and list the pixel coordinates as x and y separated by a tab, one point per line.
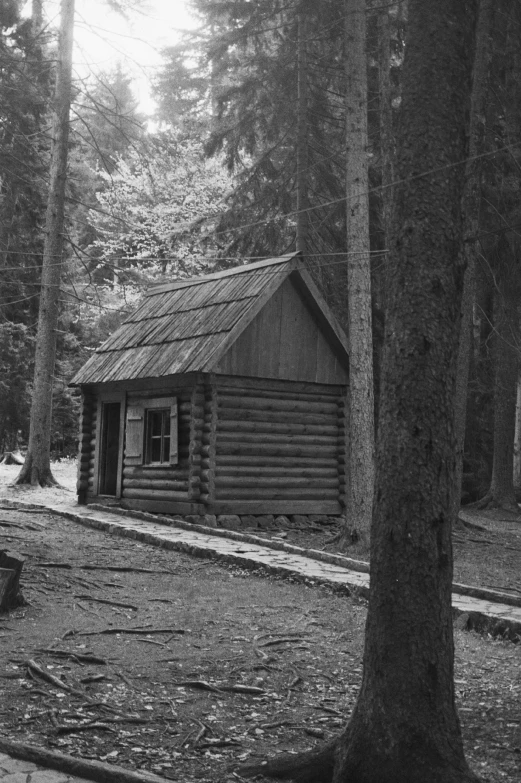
185	667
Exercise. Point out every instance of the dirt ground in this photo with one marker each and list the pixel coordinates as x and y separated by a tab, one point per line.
184	667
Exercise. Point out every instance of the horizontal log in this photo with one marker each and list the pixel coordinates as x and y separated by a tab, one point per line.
256	403
289	482
169	473
280	389
168	486
286	417
276	470
291	451
153	494
251	493
274	438
290	428
261	460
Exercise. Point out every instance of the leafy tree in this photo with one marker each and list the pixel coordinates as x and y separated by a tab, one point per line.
158	212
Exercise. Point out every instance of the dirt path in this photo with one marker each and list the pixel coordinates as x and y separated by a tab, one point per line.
225	665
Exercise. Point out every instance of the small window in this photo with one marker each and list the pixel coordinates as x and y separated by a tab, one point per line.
151	432
157	437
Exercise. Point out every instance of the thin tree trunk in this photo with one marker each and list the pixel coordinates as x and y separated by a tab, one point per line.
361	392
386	122
501	493
405	727
517	441
471	204
302	132
37	468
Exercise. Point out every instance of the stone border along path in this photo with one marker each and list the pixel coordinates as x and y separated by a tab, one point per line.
476	608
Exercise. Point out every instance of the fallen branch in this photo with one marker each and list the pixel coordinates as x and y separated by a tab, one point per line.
124	569
272	642
71	765
201	685
138	631
83	727
33	667
106	601
82	657
243	689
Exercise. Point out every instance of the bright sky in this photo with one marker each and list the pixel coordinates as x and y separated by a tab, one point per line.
103	38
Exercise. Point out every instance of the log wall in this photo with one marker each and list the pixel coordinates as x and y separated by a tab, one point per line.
246	446
280	449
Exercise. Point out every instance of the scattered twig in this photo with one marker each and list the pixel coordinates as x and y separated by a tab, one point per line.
330	710
277	724
83	727
151	641
53	565
125	679
106	601
201	685
243	689
81	657
35	669
138	631
284	640
200	734
93	678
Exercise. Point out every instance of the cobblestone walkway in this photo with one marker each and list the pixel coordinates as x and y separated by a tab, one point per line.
243	550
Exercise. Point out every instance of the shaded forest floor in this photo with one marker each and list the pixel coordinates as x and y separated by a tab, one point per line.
224	665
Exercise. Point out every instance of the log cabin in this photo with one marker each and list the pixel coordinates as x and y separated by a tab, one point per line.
223	394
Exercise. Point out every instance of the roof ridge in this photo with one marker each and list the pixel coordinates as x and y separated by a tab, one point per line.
236	270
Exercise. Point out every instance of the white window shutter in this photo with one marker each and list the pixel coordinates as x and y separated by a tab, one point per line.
174	456
134	435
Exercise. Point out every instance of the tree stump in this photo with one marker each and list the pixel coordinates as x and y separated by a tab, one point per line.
11	564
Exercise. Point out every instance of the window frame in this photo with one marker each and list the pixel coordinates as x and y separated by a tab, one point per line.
136	444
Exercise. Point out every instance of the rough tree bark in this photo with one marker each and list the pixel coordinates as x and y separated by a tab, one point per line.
506	353
517	441
361	393
471	204
302	151
507	286
405	728
37	467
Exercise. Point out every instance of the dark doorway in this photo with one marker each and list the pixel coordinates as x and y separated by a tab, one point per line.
110	419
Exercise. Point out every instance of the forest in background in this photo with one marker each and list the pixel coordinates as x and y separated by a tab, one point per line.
231	169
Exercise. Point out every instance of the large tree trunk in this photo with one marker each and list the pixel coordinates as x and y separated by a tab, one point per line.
361	392
405	728
471	204
37	467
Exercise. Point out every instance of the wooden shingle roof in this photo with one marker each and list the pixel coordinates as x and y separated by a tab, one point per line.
188	325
